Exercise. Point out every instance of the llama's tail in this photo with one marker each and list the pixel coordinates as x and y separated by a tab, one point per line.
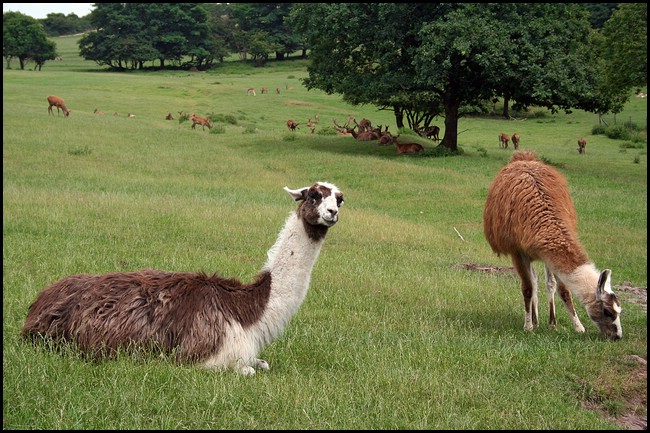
523	155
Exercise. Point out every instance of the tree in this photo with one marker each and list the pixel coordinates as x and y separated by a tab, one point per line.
267	19
130	34
447	56
626	45
23	37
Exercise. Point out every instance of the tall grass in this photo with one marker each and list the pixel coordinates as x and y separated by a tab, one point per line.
395	333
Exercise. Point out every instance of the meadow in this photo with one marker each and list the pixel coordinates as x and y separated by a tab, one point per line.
404	326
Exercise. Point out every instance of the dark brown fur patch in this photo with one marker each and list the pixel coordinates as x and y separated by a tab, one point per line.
184	312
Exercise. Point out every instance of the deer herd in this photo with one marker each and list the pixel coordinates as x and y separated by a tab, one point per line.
361	130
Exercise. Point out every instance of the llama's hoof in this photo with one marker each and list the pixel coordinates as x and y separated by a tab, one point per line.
248	370
263	364
579	328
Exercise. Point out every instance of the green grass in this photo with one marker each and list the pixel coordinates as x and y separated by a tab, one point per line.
394	333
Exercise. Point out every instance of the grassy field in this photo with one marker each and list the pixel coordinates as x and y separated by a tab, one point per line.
399	330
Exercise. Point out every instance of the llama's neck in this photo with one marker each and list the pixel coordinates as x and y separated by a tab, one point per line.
290	262
582	282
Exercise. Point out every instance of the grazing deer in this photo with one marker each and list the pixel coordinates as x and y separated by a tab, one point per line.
203	121
582	143
265	89
515	140
430	132
503	140
250	91
57	102
292	125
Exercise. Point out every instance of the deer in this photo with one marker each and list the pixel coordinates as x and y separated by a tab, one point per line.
503	140
292	125
265	89
250	91
56	101
277	90
515	140
169	116
203	121
408	148
98	112
582	143
430	132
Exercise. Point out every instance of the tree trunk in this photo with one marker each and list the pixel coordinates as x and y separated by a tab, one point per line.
399	117
506	103
450	140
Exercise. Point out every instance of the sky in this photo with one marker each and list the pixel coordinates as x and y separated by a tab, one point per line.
40	10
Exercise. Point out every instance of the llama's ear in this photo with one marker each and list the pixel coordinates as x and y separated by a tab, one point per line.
604	284
297	194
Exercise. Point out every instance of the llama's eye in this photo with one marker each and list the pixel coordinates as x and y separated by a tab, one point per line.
314	195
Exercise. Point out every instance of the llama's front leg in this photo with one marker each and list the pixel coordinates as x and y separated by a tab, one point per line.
565	294
551	285
528	277
248	370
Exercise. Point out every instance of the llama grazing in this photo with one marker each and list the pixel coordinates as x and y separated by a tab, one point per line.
57	102
210	320
530	216
582	144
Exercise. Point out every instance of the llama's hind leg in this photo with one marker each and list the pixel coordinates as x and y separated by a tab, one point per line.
528	277
551	285
565	294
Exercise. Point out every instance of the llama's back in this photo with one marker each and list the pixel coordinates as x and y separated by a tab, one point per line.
529	210
160	310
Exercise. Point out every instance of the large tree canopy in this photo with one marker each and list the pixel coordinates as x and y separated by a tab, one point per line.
23	37
433	58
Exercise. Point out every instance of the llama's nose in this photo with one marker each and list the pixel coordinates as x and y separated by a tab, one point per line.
333	212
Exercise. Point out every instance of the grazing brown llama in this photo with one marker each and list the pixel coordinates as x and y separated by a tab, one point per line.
56	101
529	215
211	320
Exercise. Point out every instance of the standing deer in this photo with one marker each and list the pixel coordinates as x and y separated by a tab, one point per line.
515	140
292	125
503	140
203	121
57	102
582	143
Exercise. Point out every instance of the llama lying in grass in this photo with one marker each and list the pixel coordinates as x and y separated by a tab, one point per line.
218	322
529	215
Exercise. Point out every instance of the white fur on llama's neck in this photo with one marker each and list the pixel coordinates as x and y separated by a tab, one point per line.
291	261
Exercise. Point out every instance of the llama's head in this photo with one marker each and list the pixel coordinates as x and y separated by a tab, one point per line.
321	203
606	310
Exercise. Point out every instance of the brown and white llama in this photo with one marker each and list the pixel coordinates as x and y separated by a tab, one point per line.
529	215
209	320
56	101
